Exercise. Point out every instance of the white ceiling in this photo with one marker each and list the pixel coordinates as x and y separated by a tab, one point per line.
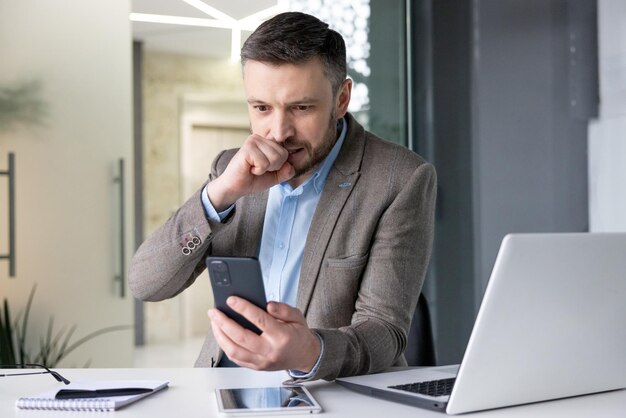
192	40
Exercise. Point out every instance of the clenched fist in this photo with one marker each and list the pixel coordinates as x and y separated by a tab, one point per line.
259	164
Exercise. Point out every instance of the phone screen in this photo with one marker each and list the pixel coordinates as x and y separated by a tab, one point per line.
268	398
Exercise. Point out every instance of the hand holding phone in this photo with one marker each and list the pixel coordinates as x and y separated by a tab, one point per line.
237	276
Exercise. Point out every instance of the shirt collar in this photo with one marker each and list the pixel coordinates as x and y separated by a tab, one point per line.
318	178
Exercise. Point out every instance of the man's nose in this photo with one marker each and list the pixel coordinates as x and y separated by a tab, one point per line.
282	127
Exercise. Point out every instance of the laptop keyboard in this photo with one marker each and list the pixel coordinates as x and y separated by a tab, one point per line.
442	387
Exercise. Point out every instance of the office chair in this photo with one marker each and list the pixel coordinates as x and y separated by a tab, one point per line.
420	347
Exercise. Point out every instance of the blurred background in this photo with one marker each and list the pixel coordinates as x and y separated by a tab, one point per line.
111	113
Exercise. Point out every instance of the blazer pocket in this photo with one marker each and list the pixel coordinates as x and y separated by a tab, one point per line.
340	289
348	262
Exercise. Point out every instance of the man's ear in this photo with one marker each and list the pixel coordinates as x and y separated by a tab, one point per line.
343	98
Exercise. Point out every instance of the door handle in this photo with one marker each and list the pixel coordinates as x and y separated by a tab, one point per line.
10	173
121	180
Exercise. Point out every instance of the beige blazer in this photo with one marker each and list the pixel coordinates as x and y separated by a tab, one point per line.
364	261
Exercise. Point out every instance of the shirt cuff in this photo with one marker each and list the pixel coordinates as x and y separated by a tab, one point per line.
210	211
297	374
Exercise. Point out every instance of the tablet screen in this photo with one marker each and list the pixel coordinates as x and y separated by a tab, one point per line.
293	398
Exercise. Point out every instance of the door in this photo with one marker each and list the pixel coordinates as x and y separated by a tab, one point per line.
68	200
205	133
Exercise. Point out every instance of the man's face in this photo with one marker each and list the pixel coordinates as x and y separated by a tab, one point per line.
294	105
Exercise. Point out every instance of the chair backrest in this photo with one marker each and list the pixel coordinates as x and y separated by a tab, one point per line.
420	348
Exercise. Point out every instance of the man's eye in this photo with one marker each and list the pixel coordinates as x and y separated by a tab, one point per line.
261	108
303	108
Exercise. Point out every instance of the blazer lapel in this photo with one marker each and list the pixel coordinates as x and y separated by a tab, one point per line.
339	185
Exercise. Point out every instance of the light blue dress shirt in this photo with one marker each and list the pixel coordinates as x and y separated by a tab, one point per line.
287	220
288	217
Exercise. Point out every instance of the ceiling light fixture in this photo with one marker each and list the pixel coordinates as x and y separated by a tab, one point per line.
210	10
180	20
255	19
221	20
235	45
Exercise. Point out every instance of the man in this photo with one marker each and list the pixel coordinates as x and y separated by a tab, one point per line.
341	221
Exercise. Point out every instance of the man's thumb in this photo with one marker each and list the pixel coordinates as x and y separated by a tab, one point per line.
286	172
284	312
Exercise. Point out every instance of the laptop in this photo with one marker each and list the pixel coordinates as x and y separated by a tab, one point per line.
552	324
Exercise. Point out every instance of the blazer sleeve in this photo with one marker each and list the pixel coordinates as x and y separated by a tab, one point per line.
171	258
390	286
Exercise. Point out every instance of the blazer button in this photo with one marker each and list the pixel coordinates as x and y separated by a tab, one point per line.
191	245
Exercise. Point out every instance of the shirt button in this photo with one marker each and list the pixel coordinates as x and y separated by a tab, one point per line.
281	245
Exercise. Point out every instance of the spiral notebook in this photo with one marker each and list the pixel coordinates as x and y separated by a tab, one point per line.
91	395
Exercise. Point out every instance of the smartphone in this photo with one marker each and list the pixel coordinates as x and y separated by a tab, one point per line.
237	276
266	401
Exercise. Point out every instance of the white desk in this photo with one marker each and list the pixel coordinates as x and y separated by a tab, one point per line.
191	395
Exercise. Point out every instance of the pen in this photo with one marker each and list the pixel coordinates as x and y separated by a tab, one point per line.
99	393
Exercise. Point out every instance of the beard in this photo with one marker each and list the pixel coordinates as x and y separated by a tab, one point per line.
318	154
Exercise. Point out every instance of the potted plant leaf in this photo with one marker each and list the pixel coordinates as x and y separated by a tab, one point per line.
54	346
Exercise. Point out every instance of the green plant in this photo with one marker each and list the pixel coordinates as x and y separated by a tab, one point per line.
53	347
22	105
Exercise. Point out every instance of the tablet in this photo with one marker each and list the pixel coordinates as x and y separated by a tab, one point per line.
266	401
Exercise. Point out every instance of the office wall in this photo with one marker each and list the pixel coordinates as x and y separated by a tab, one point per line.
451	285
529	146
511	106
607	134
